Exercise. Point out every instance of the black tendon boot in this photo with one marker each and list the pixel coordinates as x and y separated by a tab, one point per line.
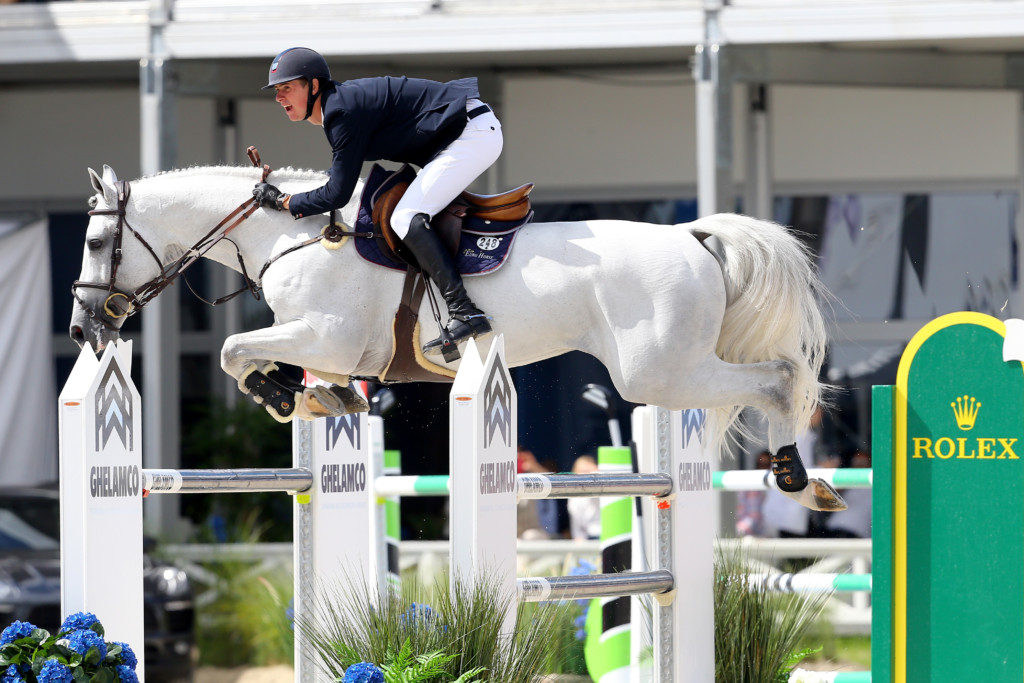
788	468
466	319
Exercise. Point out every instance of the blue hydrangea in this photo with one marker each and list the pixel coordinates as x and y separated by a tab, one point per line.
580	623
126	674
583	568
78	620
363	672
55	672
83	639
16	631
12	675
127	655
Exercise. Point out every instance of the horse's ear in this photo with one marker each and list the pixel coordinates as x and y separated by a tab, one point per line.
97	183
109	176
104	185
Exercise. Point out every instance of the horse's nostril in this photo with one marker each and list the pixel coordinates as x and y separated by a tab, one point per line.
77	334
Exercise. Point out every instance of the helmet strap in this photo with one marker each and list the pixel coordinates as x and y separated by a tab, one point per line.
311	98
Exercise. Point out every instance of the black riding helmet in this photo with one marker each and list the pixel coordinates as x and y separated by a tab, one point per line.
299	62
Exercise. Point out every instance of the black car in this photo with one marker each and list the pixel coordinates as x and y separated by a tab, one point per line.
30	583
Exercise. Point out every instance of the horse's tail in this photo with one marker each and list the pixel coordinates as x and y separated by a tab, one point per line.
773	298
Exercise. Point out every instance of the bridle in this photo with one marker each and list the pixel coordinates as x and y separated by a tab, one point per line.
120	304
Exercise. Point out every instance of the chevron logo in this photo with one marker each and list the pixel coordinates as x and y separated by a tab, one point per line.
693	425
349	425
498	405
114	409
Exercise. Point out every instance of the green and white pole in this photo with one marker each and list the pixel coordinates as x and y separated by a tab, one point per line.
392	520
607	649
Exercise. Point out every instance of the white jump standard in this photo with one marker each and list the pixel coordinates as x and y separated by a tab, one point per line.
484	491
102	486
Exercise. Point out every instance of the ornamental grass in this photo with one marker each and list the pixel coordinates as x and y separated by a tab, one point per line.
449	632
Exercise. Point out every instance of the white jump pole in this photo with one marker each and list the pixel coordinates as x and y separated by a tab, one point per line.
483	436
101	495
683	538
337	522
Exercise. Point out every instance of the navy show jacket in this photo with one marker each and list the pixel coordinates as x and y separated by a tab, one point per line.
408	120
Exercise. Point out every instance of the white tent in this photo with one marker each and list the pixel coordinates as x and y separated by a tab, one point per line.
28	420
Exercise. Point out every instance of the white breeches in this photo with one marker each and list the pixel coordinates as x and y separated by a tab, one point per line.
451	171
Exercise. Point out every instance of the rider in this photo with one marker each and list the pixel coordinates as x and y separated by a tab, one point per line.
442	127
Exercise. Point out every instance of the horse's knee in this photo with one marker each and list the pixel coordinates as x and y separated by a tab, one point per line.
232	356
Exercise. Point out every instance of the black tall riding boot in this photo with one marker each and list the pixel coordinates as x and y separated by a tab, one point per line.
466	319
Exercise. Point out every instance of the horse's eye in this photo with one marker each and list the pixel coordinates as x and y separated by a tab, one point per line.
95	243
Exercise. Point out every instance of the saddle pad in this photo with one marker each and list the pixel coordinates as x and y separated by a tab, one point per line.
483	246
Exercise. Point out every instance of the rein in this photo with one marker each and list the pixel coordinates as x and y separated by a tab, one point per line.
121	304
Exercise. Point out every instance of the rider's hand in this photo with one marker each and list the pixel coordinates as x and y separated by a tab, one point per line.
269	197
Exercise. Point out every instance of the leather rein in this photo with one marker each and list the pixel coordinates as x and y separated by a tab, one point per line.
121	304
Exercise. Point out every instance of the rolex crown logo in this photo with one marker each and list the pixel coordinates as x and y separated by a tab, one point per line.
965	409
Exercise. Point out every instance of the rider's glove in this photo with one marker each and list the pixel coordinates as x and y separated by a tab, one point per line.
269	197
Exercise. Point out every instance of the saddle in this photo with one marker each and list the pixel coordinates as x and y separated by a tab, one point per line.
478	231
512	207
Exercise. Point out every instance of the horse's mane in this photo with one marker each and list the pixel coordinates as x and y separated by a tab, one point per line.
281	174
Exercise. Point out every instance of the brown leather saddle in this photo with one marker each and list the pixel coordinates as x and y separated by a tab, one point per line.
513	205
408	364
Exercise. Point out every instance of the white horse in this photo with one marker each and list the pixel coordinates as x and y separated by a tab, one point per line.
675	325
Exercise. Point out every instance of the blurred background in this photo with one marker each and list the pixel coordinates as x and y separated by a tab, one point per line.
887	131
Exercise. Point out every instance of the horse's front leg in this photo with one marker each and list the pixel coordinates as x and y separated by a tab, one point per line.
249	358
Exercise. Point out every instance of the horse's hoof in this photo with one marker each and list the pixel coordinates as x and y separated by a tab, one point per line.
319	401
818	495
351	400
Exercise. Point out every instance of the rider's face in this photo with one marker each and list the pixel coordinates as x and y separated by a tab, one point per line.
292	96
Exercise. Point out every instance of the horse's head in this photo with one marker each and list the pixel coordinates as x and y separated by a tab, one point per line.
114	265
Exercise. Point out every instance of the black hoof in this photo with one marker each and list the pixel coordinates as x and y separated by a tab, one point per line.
790	475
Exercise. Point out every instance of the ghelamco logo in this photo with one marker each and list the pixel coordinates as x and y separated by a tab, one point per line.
498	405
693	425
114	409
349	425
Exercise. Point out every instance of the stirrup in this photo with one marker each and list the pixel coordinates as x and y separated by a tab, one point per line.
458	330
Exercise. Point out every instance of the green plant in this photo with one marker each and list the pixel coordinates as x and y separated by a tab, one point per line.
758	632
247	621
461	633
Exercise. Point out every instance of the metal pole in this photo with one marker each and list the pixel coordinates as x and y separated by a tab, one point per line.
545	486
714	118
757	197
226	319
286	480
161	344
594	586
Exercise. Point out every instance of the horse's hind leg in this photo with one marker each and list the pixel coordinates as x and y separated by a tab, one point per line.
249	356
768	387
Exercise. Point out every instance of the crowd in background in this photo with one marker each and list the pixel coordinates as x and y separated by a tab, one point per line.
764	514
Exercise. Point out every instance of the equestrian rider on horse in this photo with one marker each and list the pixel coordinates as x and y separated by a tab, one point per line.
443	128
